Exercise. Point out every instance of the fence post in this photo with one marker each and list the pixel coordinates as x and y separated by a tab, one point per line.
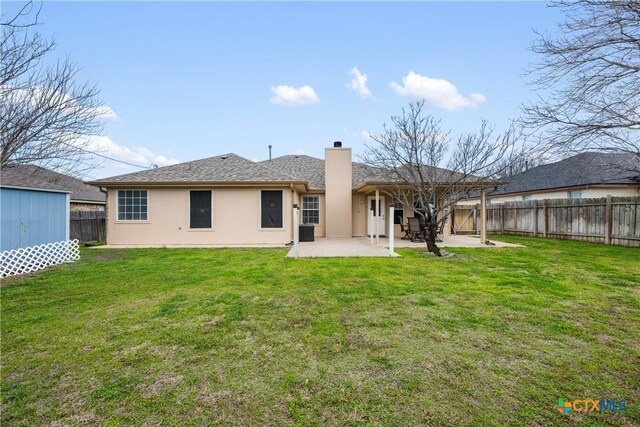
503	212
535	218
608	220
545	217
371	226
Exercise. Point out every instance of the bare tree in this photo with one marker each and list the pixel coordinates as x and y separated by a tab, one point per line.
46	116
592	74
430	170
523	161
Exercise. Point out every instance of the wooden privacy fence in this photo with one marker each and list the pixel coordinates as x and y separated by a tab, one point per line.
614	221
88	226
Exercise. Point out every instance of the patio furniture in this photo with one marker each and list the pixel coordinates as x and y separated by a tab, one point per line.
415	230
404	228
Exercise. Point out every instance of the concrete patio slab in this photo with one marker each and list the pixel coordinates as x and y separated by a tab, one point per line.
457	241
362	247
340	248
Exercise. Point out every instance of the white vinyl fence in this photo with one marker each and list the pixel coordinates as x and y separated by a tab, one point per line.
33	258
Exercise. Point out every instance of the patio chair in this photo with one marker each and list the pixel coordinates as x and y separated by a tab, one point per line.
415	231
405	229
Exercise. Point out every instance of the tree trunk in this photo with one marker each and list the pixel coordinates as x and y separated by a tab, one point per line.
431	227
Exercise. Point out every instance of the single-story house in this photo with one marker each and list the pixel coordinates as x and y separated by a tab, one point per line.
230	200
585	175
84	197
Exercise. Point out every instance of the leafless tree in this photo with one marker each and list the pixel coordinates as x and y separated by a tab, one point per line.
523	161
431	170
46	116
591	72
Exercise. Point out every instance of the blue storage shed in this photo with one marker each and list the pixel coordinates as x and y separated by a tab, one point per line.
32	214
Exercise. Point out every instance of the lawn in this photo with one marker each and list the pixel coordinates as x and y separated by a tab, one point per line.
247	337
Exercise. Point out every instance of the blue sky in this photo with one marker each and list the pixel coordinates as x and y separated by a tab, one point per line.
192	80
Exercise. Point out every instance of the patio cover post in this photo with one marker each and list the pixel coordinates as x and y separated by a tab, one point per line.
296	229
483	217
371	225
377	208
391	241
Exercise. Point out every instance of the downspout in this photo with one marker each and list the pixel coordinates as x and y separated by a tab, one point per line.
294	202
106	212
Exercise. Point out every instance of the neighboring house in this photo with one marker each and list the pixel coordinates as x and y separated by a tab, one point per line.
585	175
84	197
32	213
230	200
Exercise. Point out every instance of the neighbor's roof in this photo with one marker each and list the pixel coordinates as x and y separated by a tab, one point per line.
30	176
226	168
311	169
580	170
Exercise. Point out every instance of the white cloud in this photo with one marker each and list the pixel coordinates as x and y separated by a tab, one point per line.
439	92
105	112
292	97
366	135
137	155
299	152
36	95
359	83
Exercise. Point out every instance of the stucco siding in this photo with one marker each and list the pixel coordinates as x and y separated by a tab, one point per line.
235	219
338	191
358	215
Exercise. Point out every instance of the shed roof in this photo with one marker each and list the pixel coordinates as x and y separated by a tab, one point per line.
31	176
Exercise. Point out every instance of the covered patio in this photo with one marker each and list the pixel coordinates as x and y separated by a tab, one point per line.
375	244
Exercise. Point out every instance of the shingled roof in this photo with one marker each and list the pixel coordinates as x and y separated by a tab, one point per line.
311	169
30	176
231	168
580	170
226	168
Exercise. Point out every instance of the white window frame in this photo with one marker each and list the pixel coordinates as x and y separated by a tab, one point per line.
317	197
118	206
570	194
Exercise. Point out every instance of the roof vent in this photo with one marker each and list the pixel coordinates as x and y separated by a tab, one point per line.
337	144
224	157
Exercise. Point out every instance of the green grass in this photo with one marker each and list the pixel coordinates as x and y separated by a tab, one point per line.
247	337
